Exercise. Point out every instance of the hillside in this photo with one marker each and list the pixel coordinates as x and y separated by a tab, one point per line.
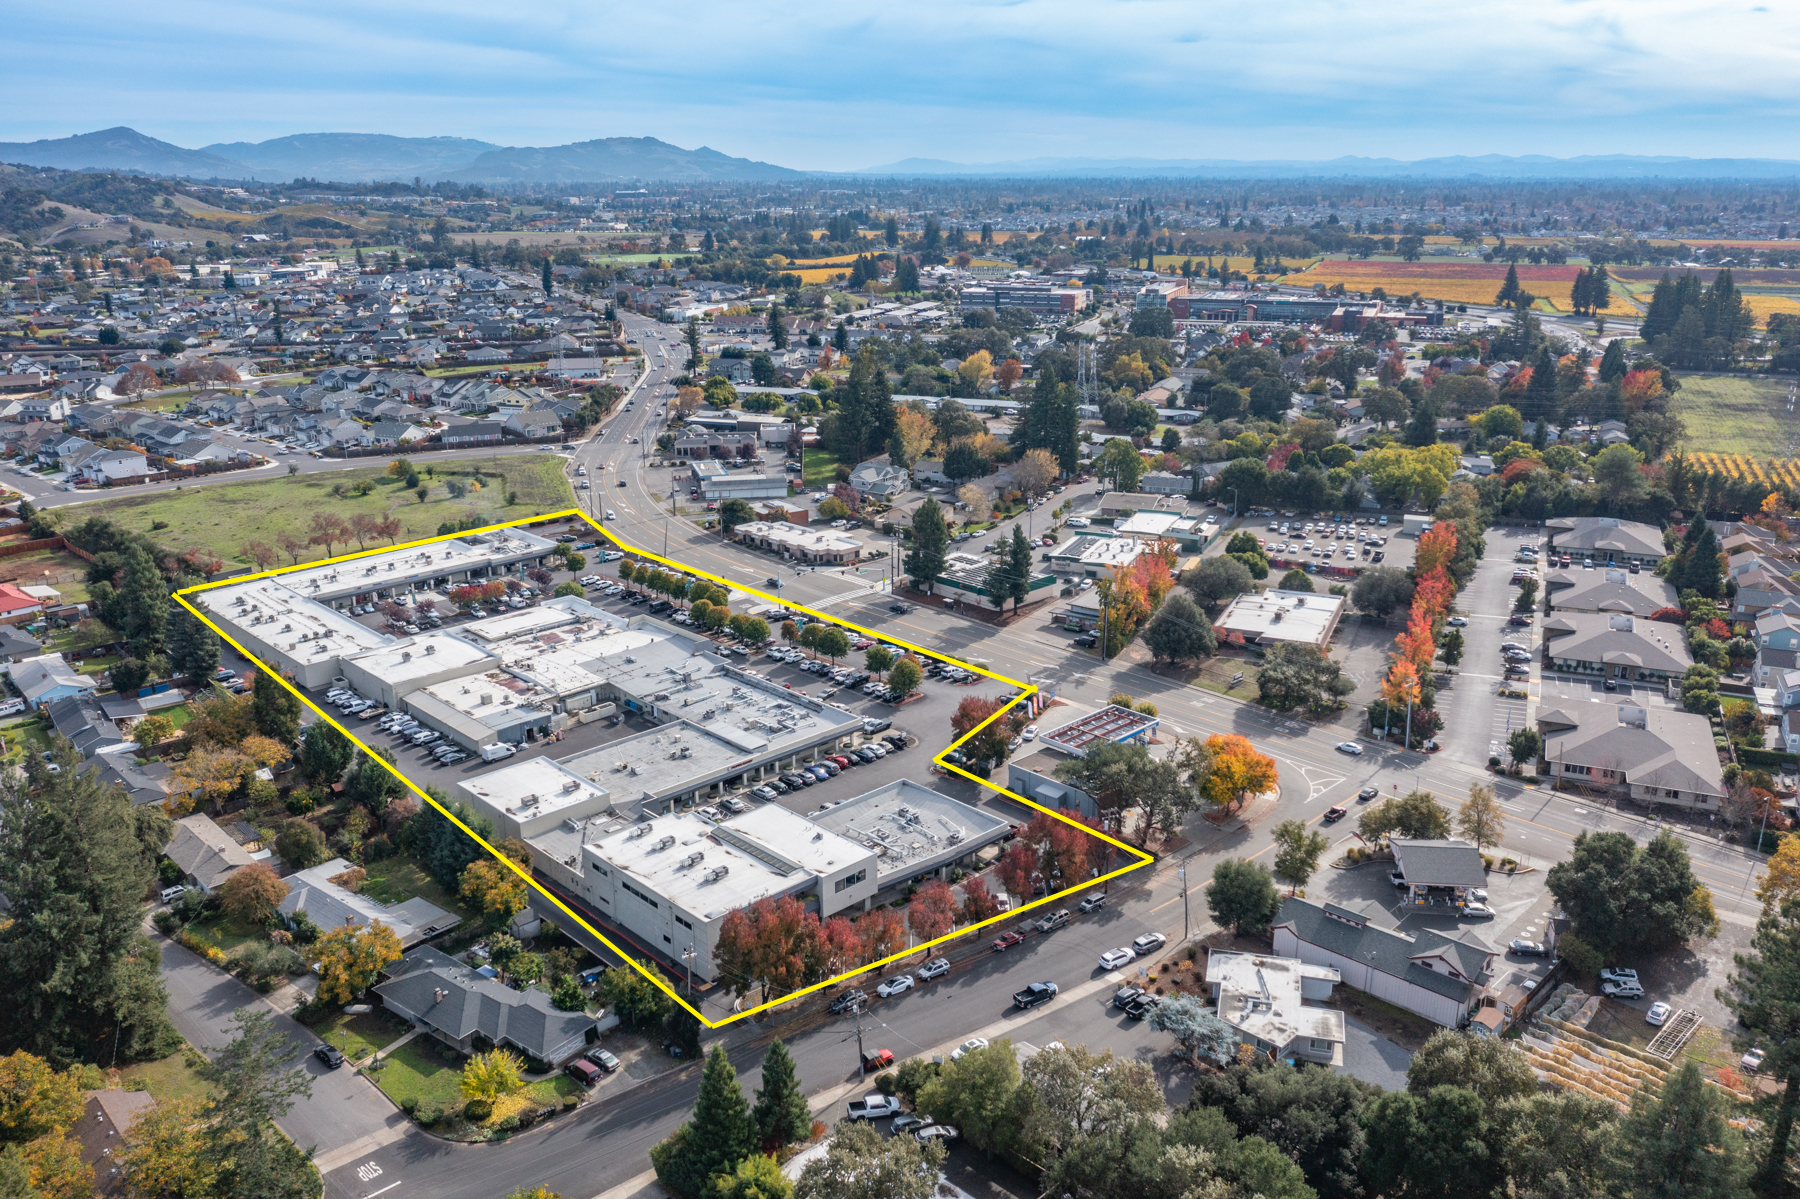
119	149
612	158
353	157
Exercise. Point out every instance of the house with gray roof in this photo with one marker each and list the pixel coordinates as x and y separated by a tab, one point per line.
1651	755
535	423
47	677
1615	646
1606	539
206	853
1441	976
85	724
1609	590
465	1008
332	904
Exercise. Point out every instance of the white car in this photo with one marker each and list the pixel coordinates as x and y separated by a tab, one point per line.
1619	974
967	1047
611	515
1115	959
1456	622
895	986
1658	1013
1078	522
1030	733
935	968
1349	747
1148	942
1752	1061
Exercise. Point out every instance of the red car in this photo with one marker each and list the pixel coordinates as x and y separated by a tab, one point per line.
1006	941
881	1059
1335	814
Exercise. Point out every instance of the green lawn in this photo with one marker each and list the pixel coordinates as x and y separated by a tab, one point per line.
551	1090
26	736
1214	674
360	1035
84	636
167	1079
95	665
820	467
223	517
1733	416
178	715
424	1070
399	878
215	928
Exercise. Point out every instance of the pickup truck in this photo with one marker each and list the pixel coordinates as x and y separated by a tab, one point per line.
873	1107
1035	994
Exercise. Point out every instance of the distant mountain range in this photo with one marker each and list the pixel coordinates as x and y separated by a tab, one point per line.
366	157
1497	166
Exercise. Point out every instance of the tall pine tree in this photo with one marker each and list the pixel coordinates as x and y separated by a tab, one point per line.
275	708
193	648
782	1115
1764	992
143	603
715	1139
1612	362
1678	1143
1510	290
930	545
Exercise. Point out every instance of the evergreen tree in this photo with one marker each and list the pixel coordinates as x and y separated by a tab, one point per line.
1599	288
546	274
1540	434
443	849
275	708
1612	362
930	545
1540	394
693	343
1581	291
193	648
1698	565
777	331
1052	422
782	1115
1510	290
1725	313
143	603
720	1134
906	274
1764	993
324	753
890	232
1659	318
79	976
840	337
1678	1145
1011	579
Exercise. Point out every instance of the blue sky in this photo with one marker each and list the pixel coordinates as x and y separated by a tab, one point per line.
850	83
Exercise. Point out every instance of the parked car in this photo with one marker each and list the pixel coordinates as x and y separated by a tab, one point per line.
1148	942
1034	995
847	1001
967	1047
873	1107
898	985
1114	959
1658	1013
331	1055
1094	902
602	1058
936	1132
1007	940
583	1072
1530	949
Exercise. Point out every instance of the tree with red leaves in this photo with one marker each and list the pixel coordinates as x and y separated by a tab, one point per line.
881	933
1017	866
979	903
932	912
774	942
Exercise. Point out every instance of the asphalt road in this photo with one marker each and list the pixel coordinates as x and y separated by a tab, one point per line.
606	1142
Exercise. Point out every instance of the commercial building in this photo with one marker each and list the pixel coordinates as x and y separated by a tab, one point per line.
1266	617
391	671
1443	977
965	578
1650	755
1606	539
1041	300
799	542
748	485
1438	872
1615	646
1094	555
913	831
389	574
1265	1000
1112	723
302	637
1608	590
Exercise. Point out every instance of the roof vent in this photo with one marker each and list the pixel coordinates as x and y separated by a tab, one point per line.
406	655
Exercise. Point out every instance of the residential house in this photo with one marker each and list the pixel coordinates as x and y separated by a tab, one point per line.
1164	482
15	645
102	465
457	431
1616	646
1442	976
1762	584
84	723
1651	755
97	419
1265	1000
107	1117
1606	539
880	480
47	677
206	854
327	894
393	432
733	370
1777	637
465	1008
143	782
535	424
51	408
16	602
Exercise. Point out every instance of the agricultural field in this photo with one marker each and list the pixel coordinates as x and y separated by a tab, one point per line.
1455	282
1727	416
222	517
1172	262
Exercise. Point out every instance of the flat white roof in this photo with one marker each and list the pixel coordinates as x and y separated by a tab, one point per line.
548	614
1281	615
659	854
910	827
795	838
538	788
277	615
417	657
1260	994
452	555
484	698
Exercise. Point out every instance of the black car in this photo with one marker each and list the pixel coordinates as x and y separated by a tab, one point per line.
797	781
897	740
1126	995
1140	1007
900	609
331	1055
847	1001
867	755
1086	641
1035	994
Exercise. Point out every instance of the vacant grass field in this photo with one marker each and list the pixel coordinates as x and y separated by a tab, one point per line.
215	928
49	568
1733	416
820	468
224	517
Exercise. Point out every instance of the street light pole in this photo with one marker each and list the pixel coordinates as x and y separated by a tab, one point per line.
1182	873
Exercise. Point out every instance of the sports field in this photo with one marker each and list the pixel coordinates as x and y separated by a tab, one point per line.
1733	416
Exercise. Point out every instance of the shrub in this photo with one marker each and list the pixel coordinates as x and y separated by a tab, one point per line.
410	1104
477	1110
166	922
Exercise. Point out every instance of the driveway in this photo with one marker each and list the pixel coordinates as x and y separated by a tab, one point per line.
345	1115
1477	721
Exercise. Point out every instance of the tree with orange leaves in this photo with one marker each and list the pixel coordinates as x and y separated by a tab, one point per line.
840	948
1400	688
1417	644
881	933
1237	770
1437	546
932	912
978	901
1433	595
773	942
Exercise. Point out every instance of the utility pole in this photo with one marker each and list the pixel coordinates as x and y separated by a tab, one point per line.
689	956
1182	874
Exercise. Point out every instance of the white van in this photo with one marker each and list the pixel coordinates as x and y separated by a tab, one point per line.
497	752
11	707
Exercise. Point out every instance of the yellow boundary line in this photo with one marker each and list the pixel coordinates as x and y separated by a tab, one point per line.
1141	858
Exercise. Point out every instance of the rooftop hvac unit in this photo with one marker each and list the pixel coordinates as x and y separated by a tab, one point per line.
642	830
530	801
287	628
487	697
686	752
666	843
694	859
406	655
571	785
618	766
431	649
717	873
